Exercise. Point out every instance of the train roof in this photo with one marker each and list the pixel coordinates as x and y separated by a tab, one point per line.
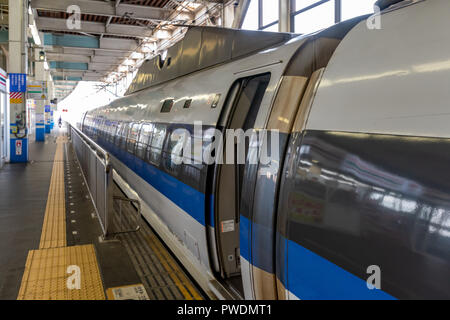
201	48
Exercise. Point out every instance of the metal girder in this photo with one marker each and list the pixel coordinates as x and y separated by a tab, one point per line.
68	57
65	82
113	53
54	24
123	44
86	78
105	9
89	42
101	66
87	51
64	72
107	59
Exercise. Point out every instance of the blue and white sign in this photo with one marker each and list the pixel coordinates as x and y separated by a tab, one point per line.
17	82
47	108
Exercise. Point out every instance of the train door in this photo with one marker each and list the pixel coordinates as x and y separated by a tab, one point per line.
239	114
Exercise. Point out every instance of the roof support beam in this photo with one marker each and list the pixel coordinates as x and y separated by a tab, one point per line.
87	51
76	41
68	57
105	9
61	72
54	24
101	66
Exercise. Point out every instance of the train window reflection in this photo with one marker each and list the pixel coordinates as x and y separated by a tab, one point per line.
159	135
179	140
144	140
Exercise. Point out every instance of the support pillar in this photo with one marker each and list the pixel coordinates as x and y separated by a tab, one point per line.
285	10
17	69
40	95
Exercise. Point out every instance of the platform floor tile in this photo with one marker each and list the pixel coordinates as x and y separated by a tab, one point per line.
54	227
52	274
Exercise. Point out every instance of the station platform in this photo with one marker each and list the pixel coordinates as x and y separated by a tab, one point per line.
50	242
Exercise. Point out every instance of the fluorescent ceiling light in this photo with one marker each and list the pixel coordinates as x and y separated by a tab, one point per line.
35	34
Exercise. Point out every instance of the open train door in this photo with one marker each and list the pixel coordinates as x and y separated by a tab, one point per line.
240	112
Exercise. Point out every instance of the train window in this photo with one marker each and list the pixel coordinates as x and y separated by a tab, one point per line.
112	132
124	135
187	104
102	128
144	139
216	100
159	135
132	137
167	105
118	136
179	139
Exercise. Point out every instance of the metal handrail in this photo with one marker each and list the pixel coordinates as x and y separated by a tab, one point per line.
104	207
103	157
99	150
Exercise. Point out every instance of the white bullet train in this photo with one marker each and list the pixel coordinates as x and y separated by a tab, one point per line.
356	205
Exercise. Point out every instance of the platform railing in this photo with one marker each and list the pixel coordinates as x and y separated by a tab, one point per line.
98	175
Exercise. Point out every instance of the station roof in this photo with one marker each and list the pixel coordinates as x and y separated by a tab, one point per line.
112	35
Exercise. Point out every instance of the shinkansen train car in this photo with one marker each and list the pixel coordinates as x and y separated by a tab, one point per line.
356	205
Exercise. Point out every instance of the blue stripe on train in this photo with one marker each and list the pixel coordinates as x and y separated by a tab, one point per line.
309	276
187	198
312	277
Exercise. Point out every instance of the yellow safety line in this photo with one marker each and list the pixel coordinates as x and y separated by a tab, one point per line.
47	272
54	229
175	273
48	269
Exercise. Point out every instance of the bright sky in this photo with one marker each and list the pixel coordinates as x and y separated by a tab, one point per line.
86	96
315	19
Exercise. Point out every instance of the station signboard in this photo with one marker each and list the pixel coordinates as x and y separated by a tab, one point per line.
17	82
37	90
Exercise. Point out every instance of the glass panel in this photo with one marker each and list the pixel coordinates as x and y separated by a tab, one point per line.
251	18
132	137
301	4
123	140
167	105
352	8
118	136
179	140
187	104
273	28
270	11
315	19
159	134
144	138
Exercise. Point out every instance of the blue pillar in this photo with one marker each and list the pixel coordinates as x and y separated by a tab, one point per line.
47	118
18	126
40	120
52	122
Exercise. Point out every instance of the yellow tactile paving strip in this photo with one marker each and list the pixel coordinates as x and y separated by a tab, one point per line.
46	271
175	273
46	275
54	229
